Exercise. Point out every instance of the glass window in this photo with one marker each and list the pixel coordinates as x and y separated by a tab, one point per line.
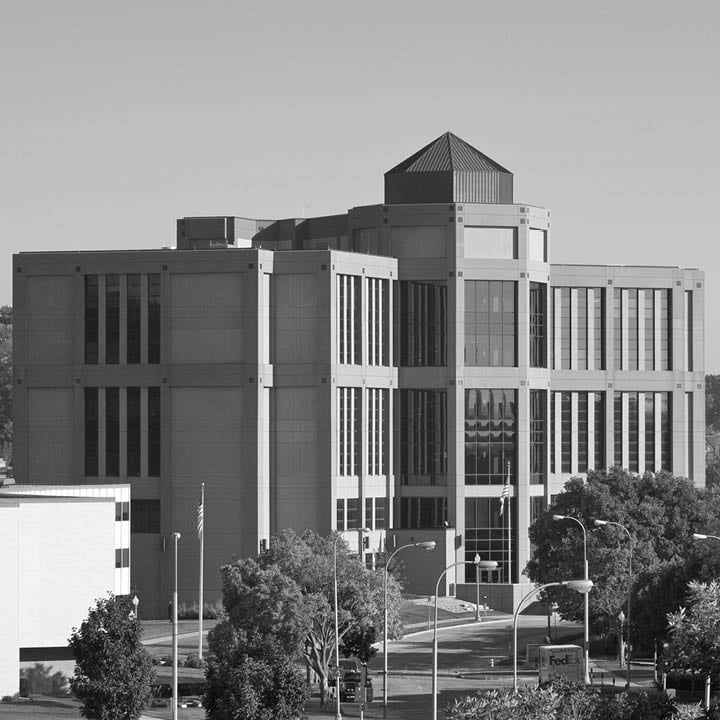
377	322
424	512
490	323
133	431
133	319
538	325
122	511
423	324
379	513
91	319
112	319
154	431
349	429
688	330
349	330
112	432
91	432
353	520
490	436
340	519
486	534
153	318
538	436
122	557
423	437
491	242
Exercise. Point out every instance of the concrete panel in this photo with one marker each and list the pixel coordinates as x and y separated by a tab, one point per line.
50	314
9	598
206	318
61	572
294	322
50	435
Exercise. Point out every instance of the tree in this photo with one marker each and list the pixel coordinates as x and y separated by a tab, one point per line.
712	400
287	593
113	672
694	632
660	511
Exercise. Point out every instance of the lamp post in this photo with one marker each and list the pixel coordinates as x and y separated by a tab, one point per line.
338	714
175	536
621	626
135	603
603	523
425	545
581	586
485	565
586	638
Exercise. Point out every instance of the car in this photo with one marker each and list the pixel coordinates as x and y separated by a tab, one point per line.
346	665
351	685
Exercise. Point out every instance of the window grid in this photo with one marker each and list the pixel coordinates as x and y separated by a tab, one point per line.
377	431
578	317
490	323
423	436
423	324
490	436
652	308
538	325
486	534
133	310
575	428
348	431
538	436
349	320
377	321
655	413
423	512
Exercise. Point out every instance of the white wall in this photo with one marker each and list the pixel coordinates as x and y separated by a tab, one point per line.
9	603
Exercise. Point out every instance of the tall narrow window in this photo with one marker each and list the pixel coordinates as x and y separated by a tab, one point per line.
423	437
652	410
689	444
91	320
154	431
154	318
379	513
377	331
133	431
377	449
566	429
688	330
538	436
490	436
538	325
133	319
486	533
642	329
423	324
490	323
353	518
112	432
91	432
112	319
349	428
349	335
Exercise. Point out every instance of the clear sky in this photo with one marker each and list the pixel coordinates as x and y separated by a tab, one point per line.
116	118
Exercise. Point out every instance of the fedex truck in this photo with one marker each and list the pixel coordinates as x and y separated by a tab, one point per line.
560	660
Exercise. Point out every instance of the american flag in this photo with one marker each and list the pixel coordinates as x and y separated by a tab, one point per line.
200	518
503	496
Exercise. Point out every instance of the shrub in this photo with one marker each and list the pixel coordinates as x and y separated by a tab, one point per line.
194	661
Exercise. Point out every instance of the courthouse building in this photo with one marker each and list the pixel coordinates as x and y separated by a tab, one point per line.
392	367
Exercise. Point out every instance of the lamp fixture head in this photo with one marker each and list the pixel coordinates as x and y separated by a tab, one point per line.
600	523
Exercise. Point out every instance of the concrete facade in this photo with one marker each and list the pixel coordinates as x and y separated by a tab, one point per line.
304	381
58	556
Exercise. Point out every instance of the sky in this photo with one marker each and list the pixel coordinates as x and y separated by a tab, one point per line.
118	118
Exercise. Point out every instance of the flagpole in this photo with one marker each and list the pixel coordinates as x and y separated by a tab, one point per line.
201	537
509	523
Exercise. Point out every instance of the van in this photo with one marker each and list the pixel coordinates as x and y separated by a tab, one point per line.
560	661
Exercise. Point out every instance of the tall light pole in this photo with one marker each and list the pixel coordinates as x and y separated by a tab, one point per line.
603	523
425	545
338	714
175	536
581	586
586	639
486	565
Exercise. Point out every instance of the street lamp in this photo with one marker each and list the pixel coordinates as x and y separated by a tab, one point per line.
338	714
486	565
135	602
586	639
603	523
481	565
581	586
700	536
621	625
425	545
175	536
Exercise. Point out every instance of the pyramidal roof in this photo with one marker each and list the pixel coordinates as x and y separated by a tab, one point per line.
448	153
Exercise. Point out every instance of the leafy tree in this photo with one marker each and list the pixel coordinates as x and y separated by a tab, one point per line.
113	671
694	632
712	399
660	511
287	593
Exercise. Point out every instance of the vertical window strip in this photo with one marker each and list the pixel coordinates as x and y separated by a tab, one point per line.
133	431
154	318
566	432
340	515
92	428
538	436
112	432
112	319
133	313
91	320
423	441
154	431
688	330
650	432
538	325
599	420
582	432
689	441
666	431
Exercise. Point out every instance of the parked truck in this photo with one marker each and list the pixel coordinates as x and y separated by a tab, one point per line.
560	660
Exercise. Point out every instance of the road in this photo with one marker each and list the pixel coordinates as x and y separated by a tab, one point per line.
464	666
